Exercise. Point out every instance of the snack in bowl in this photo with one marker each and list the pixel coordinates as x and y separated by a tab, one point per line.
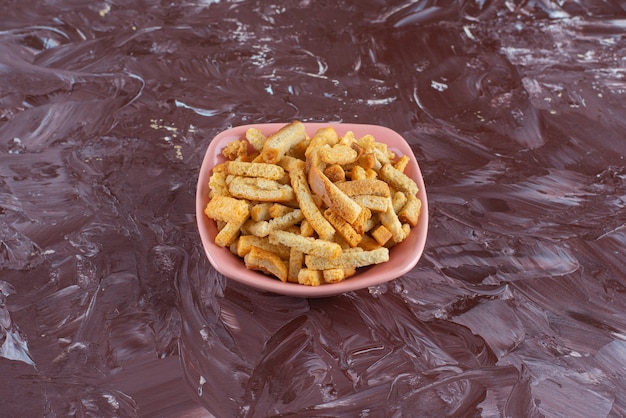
311	205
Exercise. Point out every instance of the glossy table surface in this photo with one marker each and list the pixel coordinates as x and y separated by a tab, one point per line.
516	112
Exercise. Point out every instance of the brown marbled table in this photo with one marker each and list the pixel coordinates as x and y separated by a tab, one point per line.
516	112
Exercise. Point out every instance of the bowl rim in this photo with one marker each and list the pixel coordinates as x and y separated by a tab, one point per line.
363	279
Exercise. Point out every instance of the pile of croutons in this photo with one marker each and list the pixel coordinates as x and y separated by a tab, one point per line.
311	209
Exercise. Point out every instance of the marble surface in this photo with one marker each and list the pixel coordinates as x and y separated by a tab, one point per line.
516	112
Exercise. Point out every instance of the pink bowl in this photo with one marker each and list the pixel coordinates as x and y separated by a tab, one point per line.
402	257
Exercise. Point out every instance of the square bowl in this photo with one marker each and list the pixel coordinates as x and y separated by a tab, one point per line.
402	257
